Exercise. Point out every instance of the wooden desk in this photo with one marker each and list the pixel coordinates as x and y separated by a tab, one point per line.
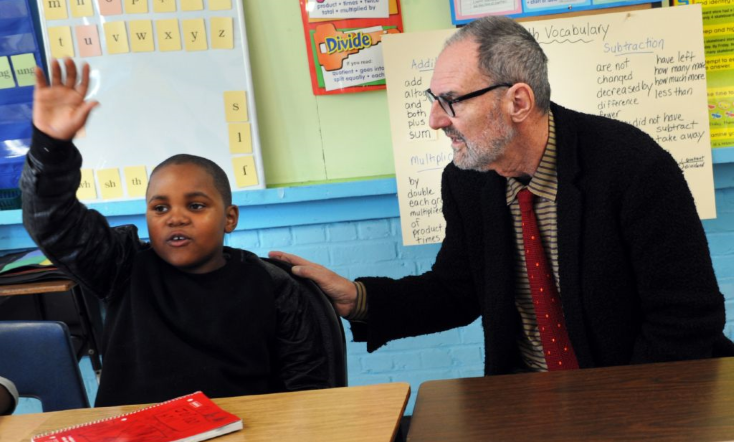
62	286
369	413
679	401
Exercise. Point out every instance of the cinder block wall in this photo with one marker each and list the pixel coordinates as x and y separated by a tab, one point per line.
370	244
374	248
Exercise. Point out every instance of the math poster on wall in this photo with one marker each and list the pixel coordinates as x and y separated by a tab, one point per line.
718	43
343	41
646	68
171	76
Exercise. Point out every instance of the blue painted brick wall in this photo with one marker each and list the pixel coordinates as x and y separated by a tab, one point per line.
373	247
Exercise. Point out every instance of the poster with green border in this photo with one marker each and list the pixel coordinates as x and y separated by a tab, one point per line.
718	37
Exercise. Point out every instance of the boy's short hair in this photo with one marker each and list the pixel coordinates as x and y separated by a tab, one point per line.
221	182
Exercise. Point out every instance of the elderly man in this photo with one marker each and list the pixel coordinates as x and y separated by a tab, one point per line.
573	236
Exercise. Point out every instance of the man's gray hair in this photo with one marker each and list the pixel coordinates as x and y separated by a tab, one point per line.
508	53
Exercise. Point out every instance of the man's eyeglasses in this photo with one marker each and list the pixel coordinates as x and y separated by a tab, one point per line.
448	104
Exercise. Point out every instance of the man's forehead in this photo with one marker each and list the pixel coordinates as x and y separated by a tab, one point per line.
456	66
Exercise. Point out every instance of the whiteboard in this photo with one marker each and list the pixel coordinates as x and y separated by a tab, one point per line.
645	67
160	102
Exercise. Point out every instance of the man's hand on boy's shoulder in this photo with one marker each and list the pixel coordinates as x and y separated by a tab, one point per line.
342	291
59	109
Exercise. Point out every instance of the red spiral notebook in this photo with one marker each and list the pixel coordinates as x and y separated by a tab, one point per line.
189	418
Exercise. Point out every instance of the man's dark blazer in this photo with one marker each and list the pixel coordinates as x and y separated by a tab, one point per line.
636	278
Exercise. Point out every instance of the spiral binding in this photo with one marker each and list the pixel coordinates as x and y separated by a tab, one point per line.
86	424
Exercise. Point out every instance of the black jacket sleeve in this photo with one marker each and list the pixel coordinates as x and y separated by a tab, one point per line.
441	299
76	239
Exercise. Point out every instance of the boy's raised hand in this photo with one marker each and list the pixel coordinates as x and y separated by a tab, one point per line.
59	109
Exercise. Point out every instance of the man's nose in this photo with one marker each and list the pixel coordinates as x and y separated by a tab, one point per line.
438	119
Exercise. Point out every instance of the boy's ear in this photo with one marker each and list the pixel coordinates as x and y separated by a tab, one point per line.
232	214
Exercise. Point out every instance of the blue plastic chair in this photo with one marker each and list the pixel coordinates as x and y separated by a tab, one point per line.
39	358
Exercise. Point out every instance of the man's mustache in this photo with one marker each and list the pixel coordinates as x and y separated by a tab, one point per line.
453	133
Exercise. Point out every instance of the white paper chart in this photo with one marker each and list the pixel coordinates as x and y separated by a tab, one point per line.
646	68
172	76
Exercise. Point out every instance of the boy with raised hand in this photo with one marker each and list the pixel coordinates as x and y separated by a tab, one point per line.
184	312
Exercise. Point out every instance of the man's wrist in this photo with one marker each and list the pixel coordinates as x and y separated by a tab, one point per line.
359	312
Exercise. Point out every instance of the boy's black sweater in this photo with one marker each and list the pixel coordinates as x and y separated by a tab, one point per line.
242	329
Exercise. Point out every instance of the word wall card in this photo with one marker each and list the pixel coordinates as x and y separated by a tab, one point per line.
171	76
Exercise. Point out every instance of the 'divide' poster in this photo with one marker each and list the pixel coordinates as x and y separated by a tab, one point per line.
343	41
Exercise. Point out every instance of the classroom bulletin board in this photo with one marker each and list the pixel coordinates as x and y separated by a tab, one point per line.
646	68
172	76
465	11
19	55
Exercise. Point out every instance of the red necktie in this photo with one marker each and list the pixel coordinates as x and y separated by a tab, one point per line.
557	349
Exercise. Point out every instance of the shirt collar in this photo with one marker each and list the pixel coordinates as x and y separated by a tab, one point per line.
545	181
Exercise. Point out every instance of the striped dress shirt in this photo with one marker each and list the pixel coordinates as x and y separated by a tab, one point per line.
544	185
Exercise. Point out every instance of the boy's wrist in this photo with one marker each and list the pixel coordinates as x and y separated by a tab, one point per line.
49	149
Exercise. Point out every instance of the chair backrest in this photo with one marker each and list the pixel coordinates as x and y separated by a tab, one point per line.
39	358
332	330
